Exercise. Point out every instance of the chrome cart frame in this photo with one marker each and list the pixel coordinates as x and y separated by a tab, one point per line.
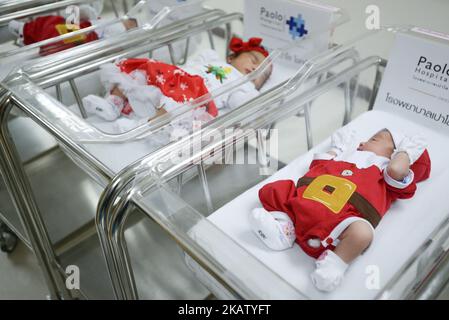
48	73
36	231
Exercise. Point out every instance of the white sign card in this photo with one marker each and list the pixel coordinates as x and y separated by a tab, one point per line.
416	81
280	22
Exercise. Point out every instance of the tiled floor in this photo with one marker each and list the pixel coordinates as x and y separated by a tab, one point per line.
20	277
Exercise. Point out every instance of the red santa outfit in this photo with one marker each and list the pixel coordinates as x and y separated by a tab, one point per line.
373	193
172	81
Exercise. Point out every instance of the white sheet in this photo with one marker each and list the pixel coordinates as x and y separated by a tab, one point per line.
404	228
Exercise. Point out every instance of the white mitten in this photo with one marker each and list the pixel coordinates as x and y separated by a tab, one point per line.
16	27
274	228
414	146
342	140
329	272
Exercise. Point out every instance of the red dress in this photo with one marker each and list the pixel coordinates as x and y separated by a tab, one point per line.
171	80
47	27
317	207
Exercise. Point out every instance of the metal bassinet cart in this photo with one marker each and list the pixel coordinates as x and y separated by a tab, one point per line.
82	140
222	251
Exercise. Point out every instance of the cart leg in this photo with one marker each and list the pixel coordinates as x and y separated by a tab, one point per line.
205	185
21	193
309	136
114	8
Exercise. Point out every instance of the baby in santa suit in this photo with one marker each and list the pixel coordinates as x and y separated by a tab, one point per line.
51	26
331	212
146	88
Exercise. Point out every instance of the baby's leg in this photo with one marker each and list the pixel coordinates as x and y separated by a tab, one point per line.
331	265
354	240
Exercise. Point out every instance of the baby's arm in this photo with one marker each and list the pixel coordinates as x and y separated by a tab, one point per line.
399	166
341	140
406	153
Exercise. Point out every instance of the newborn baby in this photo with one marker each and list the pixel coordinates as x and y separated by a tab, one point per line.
331	212
51	26
145	88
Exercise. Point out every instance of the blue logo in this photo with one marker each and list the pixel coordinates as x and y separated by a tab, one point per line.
296	27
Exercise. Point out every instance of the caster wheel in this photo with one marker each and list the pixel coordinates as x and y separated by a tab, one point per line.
8	240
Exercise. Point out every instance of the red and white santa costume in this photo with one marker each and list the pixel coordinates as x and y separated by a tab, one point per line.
149	84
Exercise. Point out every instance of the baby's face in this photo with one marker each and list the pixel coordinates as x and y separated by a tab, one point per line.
247	62
381	144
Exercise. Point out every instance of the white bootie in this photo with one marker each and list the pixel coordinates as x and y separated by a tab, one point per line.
16	27
329	272
108	109
274	228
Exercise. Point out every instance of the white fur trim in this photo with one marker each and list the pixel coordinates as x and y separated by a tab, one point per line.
323	156
399	184
363	159
338	230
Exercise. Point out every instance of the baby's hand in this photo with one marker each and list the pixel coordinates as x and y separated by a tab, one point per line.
159	112
414	146
341	140
130	24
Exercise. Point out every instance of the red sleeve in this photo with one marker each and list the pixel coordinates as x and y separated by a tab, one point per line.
421	169
405	193
316	162
276	195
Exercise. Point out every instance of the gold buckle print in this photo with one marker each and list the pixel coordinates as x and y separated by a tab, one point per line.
333	192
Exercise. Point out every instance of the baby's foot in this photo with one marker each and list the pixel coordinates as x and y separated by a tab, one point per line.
108	109
275	228
329	272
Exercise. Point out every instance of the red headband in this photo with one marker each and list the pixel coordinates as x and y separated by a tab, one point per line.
237	45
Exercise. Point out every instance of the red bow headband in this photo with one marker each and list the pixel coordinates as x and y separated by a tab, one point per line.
237	45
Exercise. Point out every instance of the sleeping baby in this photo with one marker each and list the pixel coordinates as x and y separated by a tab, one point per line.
51	26
146	88
331	212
